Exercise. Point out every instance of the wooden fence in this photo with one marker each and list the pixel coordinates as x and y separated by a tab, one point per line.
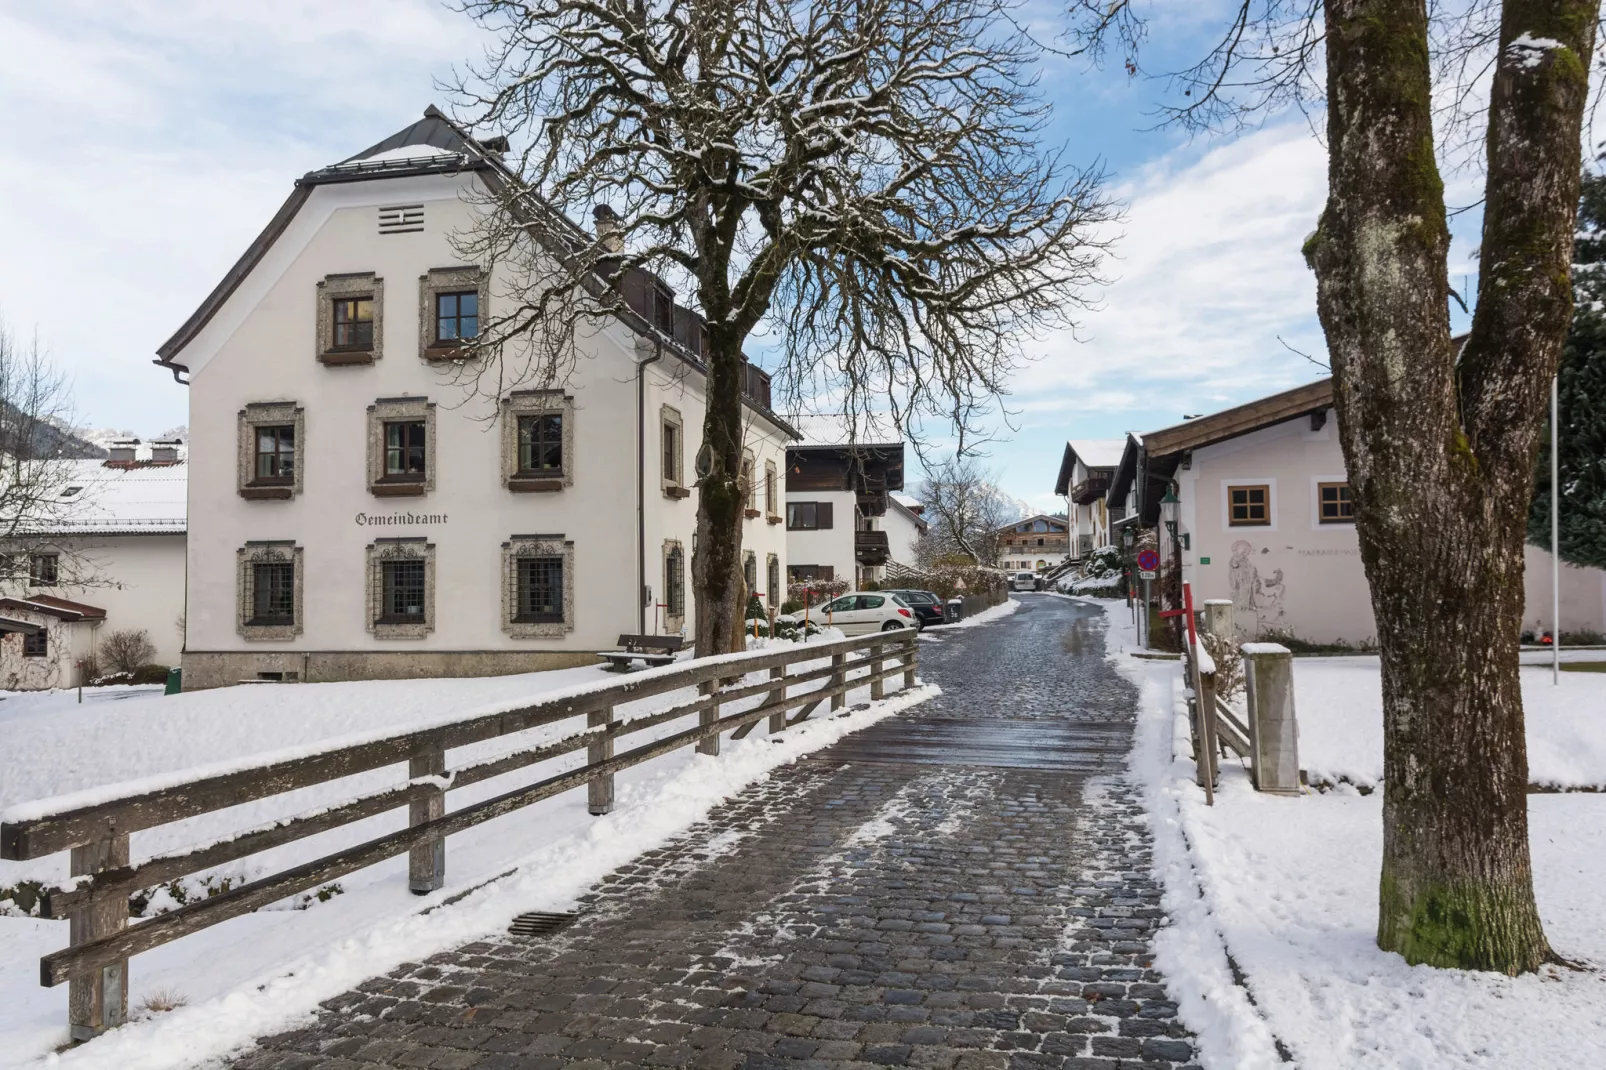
97	835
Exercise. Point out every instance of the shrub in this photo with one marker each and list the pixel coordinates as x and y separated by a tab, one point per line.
127	651
791	605
1229	664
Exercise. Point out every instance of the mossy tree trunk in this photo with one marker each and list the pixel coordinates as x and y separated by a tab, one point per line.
1440	453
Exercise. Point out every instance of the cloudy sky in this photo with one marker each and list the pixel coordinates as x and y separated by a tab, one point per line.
150	140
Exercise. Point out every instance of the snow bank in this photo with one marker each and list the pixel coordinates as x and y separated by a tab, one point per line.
254	974
1288	888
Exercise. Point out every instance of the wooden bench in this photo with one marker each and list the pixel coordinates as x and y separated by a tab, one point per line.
653	649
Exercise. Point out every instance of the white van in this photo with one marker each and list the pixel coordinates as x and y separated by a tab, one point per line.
1023	581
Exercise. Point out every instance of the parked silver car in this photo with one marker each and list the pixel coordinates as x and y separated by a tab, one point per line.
859	612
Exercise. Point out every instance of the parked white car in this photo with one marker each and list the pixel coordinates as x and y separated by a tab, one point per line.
1023	581
859	612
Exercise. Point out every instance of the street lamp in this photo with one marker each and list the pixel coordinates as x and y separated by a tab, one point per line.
1169	507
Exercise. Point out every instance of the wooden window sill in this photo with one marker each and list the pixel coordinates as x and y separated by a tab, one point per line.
774	519
677	492
389	622
270	623
751	514
399	489
529	485
445	353
537	620
339	357
266	492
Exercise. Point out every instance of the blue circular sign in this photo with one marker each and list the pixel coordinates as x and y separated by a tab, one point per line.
1149	560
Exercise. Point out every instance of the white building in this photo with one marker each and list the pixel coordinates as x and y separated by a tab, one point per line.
1265	521
1033	543
365	517
111	559
905	524
841	520
1086	469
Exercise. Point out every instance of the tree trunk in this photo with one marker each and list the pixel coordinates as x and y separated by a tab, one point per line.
1440	455
716	563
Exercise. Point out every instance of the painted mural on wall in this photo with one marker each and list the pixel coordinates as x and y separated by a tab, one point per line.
1257	598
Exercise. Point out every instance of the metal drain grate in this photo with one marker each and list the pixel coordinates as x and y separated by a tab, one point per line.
538	923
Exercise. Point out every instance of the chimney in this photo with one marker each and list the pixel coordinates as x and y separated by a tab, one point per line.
165	451
610	232
122	452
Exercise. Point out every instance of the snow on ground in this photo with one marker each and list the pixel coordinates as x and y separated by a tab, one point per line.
253	974
1340	708
1288	888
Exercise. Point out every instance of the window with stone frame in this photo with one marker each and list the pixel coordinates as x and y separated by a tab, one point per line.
401	588
401	447
773	578
538	586
771	499
351	309
269	587
44	570
537	441
674	589
672	461
750	572
749	484
452	306
272	443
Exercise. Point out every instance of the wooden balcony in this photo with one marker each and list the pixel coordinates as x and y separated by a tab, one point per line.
871	548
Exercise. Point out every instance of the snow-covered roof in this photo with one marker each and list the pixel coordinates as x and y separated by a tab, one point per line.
1098	452
908	501
834	430
139	497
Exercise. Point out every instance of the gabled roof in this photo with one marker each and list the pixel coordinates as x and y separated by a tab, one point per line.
434	145
1126	471
1094	453
1240	419
1014	525
52	606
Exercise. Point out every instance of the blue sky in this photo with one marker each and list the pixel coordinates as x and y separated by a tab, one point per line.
151	140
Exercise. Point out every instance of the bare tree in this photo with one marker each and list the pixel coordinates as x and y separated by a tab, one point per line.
36	468
862	177
968	510
1439	444
128	650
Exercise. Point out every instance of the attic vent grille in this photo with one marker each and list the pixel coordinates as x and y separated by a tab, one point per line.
401	219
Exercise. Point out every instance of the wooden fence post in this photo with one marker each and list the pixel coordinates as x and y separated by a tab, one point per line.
838	677
708	744
778	718
599	790
909	647
426	863
1206	752
1273	731
98	1001
877	692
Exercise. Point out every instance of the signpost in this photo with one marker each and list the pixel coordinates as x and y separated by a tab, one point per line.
1148	563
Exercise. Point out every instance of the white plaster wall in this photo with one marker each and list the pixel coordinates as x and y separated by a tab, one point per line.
903	535
261	347
1303	577
142	587
833	547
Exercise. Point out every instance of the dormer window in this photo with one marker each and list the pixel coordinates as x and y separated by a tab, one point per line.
71	491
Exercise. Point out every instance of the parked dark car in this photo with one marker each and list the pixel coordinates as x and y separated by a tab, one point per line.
927	606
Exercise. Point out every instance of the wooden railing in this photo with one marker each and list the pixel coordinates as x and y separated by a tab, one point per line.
97	832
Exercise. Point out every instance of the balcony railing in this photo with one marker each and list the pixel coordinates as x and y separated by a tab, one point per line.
871	548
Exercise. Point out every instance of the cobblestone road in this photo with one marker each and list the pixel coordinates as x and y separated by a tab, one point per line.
948	889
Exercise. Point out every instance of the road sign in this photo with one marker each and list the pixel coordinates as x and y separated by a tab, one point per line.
1148	561
1146	574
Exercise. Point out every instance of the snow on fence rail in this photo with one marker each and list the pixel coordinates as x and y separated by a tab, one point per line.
95	826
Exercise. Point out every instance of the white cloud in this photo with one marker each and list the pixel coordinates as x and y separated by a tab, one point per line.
151	141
